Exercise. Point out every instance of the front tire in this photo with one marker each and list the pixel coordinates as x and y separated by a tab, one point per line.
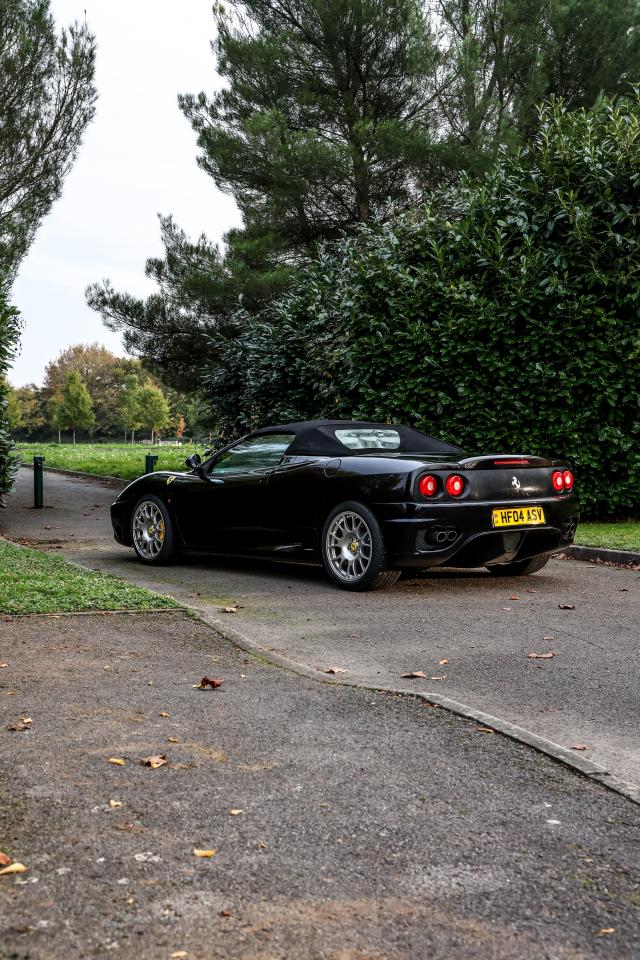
520	568
152	532
353	551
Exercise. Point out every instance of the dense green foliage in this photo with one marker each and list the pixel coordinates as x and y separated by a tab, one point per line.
107	460
46	104
73	409
35	582
335	113
9	335
506	318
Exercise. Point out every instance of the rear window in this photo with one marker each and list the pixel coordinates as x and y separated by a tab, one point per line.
369	439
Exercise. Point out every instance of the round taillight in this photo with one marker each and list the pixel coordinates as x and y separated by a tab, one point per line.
567	478
454	485
428	486
557	481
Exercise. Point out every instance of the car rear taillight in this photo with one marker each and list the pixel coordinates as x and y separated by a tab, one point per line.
428	486
454	485
567	478
557	481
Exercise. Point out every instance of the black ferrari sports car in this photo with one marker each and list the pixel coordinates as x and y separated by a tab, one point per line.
367	500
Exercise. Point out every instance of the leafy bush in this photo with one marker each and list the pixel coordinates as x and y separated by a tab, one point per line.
503	316
9	332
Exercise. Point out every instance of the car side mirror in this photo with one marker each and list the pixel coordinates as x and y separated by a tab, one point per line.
194	461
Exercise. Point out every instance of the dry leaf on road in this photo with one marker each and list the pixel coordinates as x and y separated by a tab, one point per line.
605	932
541	656
235	813
116	761
17	727
173	740
179	955
203	853
228	609
414	675
4	859
484	730
566	606
13	868
213	682
579	746
514	597
158	760
439	678
336	670
2	665
164	714
115	803
442	663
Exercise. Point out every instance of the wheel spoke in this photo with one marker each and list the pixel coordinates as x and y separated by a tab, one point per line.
349	546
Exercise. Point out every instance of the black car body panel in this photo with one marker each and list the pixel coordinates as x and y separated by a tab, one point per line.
279	509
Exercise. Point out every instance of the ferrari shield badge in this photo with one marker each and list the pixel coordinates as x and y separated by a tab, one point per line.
170	480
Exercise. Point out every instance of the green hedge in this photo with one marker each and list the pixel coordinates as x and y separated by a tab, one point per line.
504	316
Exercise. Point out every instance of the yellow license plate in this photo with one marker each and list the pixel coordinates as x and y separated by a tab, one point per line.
518	516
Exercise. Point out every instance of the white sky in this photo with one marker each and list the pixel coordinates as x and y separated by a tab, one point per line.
138	159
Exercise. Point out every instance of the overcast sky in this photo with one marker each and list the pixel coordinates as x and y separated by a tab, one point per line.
138	159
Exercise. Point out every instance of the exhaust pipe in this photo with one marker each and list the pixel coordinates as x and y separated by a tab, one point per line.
441	536
451	536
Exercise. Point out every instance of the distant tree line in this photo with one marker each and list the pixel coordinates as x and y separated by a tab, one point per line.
91	393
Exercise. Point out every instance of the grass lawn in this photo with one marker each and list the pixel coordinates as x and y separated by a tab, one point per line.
35	582
624	535
111	460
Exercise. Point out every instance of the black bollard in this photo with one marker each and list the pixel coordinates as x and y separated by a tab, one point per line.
38	483
150	462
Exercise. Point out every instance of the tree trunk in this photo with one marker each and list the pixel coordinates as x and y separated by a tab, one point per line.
59	437
74	436
133	435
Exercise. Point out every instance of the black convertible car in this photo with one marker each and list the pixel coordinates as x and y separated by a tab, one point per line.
368	500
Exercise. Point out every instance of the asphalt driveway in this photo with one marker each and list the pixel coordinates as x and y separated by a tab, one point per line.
485	628
341	824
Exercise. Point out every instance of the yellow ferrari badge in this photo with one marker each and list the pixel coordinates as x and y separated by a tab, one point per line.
170	480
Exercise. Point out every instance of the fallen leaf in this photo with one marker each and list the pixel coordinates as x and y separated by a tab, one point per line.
262	845
158	760
116	761
579	746
13	868
514	597
172	740
164	714
414	675
226	913
115	803
541	656
566	606
179	955
228	609
213	682
484	730
130	900
548	639
3	665
605	932
203	853
4	860
235	813
336	670
442	663
17	727
26	720
439	678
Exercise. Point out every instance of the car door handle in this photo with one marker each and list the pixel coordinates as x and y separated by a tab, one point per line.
214	480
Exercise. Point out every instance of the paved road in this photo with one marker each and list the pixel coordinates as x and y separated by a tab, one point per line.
373	827
484	627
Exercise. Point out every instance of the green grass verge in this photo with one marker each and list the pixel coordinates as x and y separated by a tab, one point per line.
35	582
110	460
624	535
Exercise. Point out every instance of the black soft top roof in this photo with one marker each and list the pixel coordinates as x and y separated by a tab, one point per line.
318	437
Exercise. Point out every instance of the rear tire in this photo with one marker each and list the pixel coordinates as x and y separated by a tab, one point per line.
353	551
521	568
152	532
